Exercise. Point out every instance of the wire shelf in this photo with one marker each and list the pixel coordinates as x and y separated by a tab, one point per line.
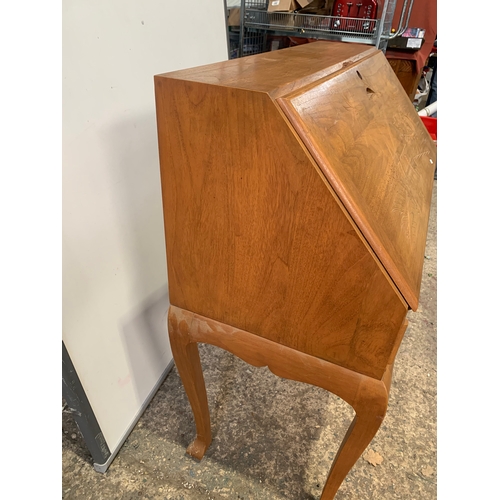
309	24
255	19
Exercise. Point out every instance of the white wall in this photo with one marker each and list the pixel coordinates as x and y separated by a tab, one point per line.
114	272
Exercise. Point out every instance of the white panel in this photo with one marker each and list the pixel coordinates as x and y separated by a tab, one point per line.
114	271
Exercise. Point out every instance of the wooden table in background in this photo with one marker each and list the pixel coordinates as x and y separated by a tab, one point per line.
296	192
407	74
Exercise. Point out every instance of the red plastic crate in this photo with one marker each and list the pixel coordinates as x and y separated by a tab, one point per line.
431	126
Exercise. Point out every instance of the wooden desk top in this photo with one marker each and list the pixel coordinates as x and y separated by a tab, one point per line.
280	71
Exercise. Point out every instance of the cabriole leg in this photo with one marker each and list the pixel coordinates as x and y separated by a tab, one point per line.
187	361
358	437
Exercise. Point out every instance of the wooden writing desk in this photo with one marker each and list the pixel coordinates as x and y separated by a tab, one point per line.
296	191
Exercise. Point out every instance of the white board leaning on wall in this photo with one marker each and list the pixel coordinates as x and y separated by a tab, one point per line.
115	295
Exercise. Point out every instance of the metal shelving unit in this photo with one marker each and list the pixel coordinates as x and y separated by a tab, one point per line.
257	23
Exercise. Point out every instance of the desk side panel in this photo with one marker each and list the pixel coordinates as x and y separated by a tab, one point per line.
254	237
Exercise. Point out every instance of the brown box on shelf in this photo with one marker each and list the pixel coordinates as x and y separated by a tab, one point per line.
283	6
312	6
318	7
305	3
313	10
234	17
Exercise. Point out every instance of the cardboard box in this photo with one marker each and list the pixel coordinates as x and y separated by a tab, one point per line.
305	3
283	6
318	7
234	17
314	9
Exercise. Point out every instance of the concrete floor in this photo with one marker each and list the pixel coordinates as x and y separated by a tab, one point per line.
275	439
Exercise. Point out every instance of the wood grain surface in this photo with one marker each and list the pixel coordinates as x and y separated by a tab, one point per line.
280	71
373	148
254	237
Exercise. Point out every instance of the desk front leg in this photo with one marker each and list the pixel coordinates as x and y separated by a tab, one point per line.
370	404
187	361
